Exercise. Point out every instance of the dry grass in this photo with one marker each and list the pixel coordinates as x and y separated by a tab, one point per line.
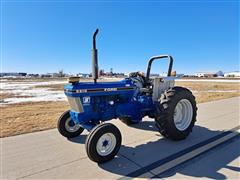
54	87
11	95
200	90
6	95
205	86
30	117
210	96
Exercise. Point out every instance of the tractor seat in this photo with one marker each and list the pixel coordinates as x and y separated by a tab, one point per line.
139	77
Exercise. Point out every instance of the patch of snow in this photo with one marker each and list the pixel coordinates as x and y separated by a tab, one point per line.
49	97
27	85
27	93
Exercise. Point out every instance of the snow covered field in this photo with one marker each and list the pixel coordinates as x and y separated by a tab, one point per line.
34	91
29	92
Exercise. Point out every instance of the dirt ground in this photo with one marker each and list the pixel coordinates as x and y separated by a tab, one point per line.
37	116
30	117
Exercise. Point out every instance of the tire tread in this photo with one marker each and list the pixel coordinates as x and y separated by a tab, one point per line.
165	109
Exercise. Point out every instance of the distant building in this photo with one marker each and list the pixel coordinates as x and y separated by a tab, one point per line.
219	74
199	74
33	75
46	75
79	75
205	74
3	74
101	72
55	75
157	75
22	74
120	75
180	75
82	75
232	74
163	74
13	74
85	75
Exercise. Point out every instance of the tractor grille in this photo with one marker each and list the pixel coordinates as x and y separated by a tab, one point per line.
75	104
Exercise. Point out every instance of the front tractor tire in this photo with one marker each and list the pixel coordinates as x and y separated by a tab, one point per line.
176	113
103	142
67	127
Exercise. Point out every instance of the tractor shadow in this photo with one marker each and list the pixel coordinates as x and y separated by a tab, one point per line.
131	158
80	139
146	125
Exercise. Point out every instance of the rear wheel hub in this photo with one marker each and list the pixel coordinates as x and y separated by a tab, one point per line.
183	114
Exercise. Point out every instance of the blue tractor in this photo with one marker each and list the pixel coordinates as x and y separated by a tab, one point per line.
130	100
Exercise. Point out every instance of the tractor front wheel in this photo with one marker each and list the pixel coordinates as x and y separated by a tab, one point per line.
176	113
67	127
103	142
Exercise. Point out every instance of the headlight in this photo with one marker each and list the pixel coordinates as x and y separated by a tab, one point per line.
75	104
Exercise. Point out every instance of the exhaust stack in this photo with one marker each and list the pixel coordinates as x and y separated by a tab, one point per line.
94	58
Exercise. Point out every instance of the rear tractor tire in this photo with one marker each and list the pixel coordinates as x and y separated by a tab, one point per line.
67	127
176	113
103	142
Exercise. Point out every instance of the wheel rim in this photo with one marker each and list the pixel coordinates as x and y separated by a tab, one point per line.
183	114
106	144
71	126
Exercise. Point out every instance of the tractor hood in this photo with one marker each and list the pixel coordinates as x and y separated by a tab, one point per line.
99	88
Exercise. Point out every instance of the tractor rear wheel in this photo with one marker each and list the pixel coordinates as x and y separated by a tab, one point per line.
103	142
176	113
67	127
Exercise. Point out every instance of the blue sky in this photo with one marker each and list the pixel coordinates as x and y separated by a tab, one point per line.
44	36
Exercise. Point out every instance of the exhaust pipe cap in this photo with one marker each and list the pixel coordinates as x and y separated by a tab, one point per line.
74	79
